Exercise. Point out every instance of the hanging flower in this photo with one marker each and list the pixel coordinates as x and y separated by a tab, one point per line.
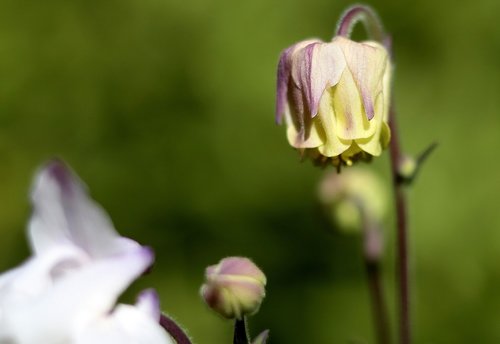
335	99
66	292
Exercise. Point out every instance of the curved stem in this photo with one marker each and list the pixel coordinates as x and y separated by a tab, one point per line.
364	14
402	233
174	330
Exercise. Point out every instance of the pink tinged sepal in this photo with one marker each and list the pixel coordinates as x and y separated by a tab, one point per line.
315	68
367	62
282	83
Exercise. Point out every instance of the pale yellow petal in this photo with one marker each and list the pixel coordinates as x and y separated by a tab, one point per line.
350	120
307	137
386	89
372	145
333	145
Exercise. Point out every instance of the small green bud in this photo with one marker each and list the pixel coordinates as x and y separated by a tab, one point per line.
348	195
407	167
234	288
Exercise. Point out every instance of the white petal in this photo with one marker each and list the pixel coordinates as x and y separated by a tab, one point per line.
149	303
77	298
126	325
37	274
64	214
25	285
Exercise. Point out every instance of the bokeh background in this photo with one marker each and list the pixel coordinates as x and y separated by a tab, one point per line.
165	108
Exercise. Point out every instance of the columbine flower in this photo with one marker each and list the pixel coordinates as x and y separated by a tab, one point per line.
335	99
234	287
66	292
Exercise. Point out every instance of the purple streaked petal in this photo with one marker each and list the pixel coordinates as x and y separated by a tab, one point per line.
367	62
63	214
301	72
316	67
284	74
282	82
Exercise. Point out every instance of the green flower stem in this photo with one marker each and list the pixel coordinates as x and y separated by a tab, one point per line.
402	232
364	14
174	330
241	332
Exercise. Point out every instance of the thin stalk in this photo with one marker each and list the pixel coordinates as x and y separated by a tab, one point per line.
240	332
174	330
402	233
364	14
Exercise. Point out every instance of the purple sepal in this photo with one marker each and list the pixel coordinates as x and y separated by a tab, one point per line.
282	82
312	99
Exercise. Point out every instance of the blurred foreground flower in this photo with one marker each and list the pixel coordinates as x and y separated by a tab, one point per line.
335	99
66	292
234	287
351	195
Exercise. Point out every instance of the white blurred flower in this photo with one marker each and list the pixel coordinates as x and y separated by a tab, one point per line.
67	291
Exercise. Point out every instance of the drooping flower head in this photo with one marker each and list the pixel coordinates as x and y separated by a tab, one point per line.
334	97
67	291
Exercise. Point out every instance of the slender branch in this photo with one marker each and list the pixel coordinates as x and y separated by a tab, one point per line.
402	233
364	14
240	332
174	330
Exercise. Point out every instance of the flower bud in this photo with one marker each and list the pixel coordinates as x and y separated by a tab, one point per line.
349	194
234	287
407	167
335	99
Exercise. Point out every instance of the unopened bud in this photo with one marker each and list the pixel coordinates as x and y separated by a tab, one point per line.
350	196
234	287
407	167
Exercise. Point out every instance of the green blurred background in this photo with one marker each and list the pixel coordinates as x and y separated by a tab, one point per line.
165	108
